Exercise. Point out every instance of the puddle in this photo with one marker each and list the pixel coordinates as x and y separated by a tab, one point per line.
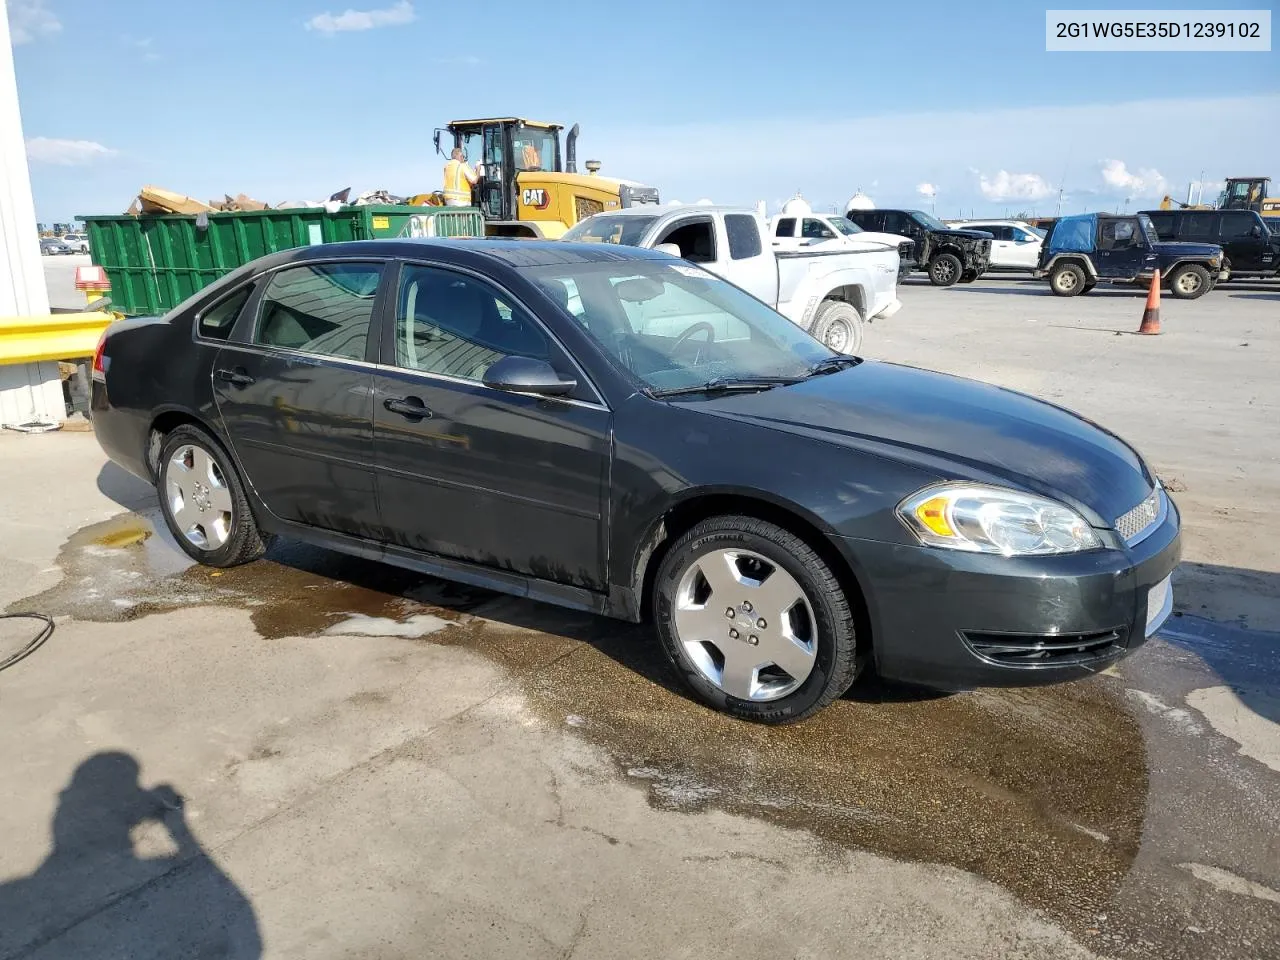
1040	790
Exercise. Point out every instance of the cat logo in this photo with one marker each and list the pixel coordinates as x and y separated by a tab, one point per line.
537	198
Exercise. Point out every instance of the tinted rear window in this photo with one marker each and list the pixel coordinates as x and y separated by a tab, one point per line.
744	236
217	321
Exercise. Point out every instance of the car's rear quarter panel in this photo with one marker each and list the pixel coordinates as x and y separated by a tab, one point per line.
152	367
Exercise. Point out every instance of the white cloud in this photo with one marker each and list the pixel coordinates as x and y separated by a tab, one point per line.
66	153
1014	186
926	189
393	16
30	20
1139	183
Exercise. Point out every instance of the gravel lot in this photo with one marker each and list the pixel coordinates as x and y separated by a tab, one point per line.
317	757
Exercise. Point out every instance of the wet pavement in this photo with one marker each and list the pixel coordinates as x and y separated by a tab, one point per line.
1140	809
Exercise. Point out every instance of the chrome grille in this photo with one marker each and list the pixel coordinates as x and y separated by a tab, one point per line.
1135	522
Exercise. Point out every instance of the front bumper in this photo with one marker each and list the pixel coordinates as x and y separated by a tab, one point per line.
952	619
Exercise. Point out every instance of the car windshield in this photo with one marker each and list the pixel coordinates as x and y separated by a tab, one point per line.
933	223
606	229
845	226
1039	232
674	326
1148	228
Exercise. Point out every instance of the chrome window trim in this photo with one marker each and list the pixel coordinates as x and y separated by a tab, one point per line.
384	368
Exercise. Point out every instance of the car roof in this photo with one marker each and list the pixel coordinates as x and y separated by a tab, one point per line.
473	250
661	211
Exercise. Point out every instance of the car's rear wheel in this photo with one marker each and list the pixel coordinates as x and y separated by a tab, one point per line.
1189	281
839	325
203	500
754	620
1067	280
945	269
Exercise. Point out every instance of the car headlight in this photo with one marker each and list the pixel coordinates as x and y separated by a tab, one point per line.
985	519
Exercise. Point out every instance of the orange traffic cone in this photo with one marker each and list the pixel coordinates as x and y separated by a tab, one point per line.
1151	315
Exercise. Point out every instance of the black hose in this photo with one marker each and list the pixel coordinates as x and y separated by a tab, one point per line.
45	633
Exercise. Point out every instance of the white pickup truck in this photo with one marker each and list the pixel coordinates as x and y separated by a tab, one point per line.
807	230
831	293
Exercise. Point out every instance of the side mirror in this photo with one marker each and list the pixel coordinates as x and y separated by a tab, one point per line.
527	375
671	249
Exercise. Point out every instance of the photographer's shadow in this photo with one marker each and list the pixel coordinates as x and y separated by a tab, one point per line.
125	878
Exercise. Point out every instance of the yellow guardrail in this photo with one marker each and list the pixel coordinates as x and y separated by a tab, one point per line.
58	336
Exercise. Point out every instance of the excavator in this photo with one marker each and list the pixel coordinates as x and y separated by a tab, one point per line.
1241	193
527	189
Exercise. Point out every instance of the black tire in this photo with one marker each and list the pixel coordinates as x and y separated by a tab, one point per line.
1067	279
836	658
839	326
243	541
945	269
1189	282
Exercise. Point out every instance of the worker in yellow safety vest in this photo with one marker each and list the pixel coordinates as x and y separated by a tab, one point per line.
458	180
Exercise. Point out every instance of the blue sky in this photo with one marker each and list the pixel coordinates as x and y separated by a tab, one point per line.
954	105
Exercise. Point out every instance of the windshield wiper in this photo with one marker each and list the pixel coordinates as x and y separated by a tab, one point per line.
832	365
729	385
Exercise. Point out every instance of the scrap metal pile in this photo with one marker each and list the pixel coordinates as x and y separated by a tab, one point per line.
153	199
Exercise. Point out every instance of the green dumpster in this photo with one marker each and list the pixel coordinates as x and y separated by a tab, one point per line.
155	261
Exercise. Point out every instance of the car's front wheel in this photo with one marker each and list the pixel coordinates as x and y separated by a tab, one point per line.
839	325
203	500
1067	280
1189	281
945	269
754	620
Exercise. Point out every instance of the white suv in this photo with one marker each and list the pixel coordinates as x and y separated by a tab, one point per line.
1015	245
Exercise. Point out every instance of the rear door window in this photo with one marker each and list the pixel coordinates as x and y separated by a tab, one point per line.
321	308
786	227
1200	226
744	236
216	322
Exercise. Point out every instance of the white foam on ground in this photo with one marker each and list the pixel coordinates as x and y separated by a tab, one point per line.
358	624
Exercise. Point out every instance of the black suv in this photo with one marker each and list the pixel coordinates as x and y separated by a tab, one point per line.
1251	247
950	256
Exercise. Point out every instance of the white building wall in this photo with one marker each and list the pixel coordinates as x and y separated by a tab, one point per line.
27	391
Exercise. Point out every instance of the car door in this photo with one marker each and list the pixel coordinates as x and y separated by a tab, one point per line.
294	391
1002	254
1120	250
1024	252
516	482
1240	236
749	263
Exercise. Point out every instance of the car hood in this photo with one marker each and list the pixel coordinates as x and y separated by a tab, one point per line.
963	234
1181	248
956	429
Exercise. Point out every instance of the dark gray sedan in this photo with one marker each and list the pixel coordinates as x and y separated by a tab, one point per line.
618	431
